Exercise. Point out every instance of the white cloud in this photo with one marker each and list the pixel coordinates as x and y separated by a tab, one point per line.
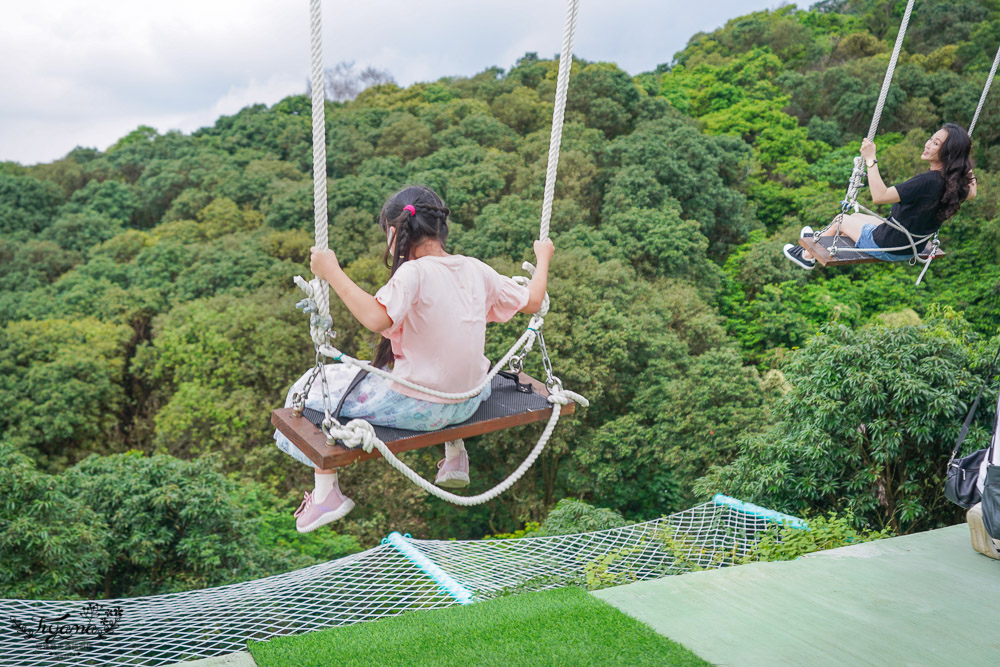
76	73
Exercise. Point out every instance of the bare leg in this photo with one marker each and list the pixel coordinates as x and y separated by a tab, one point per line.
850	226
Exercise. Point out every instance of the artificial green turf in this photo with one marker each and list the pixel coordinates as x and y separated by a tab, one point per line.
567	626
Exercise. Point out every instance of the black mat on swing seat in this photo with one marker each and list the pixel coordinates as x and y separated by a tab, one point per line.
504	401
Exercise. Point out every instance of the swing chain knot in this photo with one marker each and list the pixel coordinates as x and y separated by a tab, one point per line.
355	433
563	396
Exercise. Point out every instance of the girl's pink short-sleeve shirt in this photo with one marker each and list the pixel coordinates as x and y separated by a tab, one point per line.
439	307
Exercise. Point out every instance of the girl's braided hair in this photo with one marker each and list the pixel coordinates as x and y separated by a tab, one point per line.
416	213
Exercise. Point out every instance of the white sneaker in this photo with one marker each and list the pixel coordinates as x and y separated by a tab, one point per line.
794	253
806	231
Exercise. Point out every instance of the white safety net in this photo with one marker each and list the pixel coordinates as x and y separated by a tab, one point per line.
397	576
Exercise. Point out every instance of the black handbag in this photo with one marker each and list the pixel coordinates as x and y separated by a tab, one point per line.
963	474
960	483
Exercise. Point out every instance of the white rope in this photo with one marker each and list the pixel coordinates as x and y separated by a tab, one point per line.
468	501
986	90
857	174
889	71
320	294
358	432
558	111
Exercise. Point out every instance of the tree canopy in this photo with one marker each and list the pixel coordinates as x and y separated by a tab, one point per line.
147	323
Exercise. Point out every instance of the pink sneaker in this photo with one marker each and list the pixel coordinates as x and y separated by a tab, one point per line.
453	474
311	515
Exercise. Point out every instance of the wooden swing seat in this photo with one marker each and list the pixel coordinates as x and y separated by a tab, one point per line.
505	408
845	252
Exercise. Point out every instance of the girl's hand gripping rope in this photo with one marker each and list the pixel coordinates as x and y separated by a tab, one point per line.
323	263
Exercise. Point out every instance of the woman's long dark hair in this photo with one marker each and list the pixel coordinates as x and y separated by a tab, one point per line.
429	220
956	167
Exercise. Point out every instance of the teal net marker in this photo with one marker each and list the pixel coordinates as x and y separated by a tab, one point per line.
749	509
444	580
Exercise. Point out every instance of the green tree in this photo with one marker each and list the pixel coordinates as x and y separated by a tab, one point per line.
171	525
699	172
29	265
218	366
866	427
571	515
405	136
27	205
61	393
81	231
52	545
607	98
111	199
521	110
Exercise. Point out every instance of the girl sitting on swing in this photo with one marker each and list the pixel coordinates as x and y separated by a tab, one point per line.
432	316
920	204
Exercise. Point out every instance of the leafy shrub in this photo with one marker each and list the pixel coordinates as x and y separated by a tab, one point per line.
575	516
824	532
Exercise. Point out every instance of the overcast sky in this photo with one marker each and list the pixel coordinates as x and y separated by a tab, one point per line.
85	73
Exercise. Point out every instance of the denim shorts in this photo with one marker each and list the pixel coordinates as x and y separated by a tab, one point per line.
866	241
376	402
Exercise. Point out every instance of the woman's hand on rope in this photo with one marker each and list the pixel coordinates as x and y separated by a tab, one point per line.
323	263
881	194
867	149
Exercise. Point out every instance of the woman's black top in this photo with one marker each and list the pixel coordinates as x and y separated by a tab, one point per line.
916	210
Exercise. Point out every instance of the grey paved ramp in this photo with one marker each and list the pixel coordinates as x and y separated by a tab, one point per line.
241	659
923	599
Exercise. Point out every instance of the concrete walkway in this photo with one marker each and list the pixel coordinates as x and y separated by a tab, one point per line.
923	599
241	659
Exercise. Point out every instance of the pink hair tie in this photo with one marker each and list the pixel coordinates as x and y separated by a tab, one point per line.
409	207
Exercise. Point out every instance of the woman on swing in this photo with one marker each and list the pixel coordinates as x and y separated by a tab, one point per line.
920	204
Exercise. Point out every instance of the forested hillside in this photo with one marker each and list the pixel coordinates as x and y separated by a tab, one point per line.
147	321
